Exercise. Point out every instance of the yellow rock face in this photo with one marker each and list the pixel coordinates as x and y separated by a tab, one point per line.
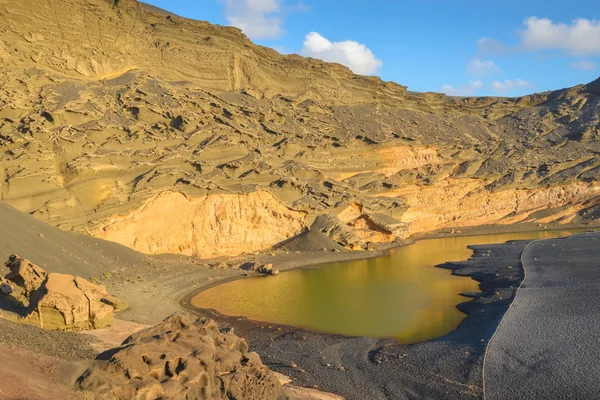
465	202
209	226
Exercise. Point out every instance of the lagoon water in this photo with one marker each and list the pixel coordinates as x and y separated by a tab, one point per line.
400	295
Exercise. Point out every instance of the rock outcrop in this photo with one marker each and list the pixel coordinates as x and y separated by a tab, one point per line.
67	302
58	301
25	274
184	357
335	229
358	230
209	226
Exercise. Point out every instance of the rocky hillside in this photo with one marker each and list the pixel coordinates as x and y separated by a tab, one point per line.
172	135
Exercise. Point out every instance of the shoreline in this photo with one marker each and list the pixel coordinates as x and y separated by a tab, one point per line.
457	356
313	358
319	259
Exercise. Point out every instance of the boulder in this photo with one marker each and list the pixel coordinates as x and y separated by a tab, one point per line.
266	269
184	357
67	302
57	301
24	273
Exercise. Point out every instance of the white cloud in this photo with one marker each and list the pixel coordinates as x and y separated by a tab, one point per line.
481	68
259	19
488	45
584	65
581	36
508	85
354	55
468	89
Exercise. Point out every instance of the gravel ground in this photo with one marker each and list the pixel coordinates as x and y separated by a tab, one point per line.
66	345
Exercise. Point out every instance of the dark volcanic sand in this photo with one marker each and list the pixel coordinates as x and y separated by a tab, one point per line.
446	368
547	346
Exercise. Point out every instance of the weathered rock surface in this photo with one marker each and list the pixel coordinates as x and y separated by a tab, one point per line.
210	226
58	301
25	274
387	223
146	126
182	358
5	286
66	302
335	229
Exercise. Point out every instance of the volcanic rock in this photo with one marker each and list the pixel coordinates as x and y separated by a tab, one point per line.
5	286
67	302
389	224
24	273
183	357
58	301
339	232
266	269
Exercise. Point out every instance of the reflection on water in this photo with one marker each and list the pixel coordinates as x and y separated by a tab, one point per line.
399	295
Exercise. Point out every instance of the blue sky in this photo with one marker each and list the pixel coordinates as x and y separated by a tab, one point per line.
455	46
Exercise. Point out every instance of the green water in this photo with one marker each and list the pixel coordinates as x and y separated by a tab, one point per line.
399	295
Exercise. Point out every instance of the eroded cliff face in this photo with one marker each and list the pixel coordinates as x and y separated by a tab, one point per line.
466	202
206	227
173	135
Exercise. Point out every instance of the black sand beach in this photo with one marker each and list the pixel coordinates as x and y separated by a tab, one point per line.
547	344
